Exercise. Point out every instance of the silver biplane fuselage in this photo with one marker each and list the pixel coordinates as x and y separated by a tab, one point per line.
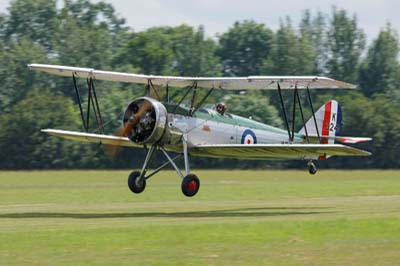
167	123
208	127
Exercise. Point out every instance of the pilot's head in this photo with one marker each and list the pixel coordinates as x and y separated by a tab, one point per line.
221	108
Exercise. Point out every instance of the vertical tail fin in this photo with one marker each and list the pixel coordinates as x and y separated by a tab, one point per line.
329	122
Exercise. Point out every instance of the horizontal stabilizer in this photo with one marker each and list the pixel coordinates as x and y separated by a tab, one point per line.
352	140
89	137
277	151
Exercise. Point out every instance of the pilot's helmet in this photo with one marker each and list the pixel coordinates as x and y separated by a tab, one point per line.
221	108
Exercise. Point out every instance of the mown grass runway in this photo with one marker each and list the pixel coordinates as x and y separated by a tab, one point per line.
238	218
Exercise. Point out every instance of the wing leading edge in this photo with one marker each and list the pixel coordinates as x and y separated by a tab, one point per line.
227	83
89	137
276	151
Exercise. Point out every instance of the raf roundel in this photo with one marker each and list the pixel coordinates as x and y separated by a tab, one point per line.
248	137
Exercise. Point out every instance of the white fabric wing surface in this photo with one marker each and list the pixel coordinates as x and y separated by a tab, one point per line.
90	137
266	151
227	83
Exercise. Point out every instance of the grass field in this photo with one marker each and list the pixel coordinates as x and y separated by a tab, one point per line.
238	218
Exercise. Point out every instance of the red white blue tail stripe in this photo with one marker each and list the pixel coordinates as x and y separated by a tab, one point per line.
329	122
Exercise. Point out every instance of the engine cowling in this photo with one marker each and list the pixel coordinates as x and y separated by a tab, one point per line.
152	120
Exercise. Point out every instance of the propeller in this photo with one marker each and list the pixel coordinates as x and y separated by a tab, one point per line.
134	120
114	148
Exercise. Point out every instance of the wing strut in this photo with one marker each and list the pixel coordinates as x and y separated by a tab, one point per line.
184	96
150	87
95	105
167	92
294	111
284	111
296	98
79	103
313	114
302	115
202	100
92	103
192	100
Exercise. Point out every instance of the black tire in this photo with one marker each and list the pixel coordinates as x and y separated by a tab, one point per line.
312	169
133	183
190	185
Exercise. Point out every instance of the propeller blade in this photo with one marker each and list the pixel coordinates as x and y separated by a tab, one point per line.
114	149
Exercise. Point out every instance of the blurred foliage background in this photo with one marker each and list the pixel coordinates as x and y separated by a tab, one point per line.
85	34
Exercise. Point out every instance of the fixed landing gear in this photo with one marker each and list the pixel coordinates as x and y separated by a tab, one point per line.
312	169
190	185
190	182
135	183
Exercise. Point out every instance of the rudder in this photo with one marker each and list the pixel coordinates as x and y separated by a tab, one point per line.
329	122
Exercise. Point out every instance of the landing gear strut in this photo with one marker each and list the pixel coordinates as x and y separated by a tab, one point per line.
312	169
190	182
137	180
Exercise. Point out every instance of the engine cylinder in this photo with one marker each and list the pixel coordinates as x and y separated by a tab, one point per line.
146	120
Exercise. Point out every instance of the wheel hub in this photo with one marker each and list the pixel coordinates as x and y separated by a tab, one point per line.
139	182
192	186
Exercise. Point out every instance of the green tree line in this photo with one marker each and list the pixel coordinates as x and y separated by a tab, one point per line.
85	34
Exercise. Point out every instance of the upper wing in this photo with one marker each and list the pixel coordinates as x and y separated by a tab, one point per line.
276	151
228	83
94	138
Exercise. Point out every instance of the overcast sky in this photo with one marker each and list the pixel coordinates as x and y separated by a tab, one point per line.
218	15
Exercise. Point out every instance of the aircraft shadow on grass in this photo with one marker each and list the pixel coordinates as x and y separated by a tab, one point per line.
242	212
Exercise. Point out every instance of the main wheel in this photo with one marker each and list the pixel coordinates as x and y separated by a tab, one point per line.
135	184
312	169
190	185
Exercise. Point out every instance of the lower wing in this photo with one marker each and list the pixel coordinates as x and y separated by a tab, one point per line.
94	138
276	151
240	151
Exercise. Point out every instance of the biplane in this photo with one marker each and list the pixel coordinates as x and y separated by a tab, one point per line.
159	125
